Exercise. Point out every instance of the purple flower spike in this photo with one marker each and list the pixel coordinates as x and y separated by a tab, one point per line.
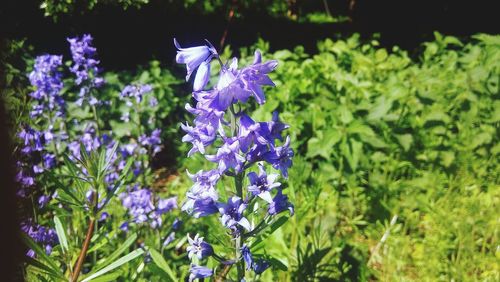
198	57
279	204
199	272
199	248
262	184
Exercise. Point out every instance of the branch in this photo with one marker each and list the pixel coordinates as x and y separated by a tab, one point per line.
83	252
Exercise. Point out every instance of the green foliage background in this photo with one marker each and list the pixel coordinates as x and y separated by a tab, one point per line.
397	161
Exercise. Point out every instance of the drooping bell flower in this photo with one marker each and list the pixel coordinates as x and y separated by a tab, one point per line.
198	57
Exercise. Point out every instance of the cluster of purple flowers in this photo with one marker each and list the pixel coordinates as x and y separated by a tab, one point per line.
240	143
141	206
85	68
47	237
40	147
47	80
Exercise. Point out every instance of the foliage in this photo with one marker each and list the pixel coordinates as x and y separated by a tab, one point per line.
312	11
386	139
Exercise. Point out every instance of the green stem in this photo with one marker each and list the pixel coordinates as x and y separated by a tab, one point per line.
96	119
238	184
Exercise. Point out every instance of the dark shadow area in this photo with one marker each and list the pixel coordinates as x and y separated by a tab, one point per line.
125	38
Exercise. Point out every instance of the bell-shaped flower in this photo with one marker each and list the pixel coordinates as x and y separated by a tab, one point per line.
279	204
199	248
199	272
198	57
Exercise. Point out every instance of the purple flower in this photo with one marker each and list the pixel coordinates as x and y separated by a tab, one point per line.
139	203
281	157
279	204
199	248
169	239
47	80
247	256
202	195
272	129
249	133
153	141
238	85
196	58
232	214
135	91
203	207
227	156
176	224
260	266
43	200
262	184
40	234
85	67
199	272
166	205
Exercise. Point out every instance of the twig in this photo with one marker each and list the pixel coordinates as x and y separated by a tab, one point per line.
83	252
383	239
222	276
230	17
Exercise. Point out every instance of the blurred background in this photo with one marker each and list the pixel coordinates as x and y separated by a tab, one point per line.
131	32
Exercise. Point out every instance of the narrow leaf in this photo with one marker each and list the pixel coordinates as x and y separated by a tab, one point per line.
132	255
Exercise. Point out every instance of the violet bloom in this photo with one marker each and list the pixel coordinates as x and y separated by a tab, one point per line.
247	256
262	184
260	266
238	85
203	207
272	129
135	91
279	204
47	237
85	67
139	204
153	141
201	197
207	124
281	157
199	272
198	57
232	214
199	248
166	205
249	133
48	82
228	156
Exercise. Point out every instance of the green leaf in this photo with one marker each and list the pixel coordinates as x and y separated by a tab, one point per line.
42	256
44	268
405	140
61	234
130	240
160	261
130	256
